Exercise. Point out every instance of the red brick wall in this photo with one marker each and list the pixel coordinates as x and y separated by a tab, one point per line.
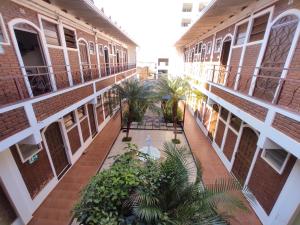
36	175
257	111
75	66
234	63
74	140
287	126
105	83
220	133
229	144
266	184
12	122
59	69
251	55
281	6
50	106
85	129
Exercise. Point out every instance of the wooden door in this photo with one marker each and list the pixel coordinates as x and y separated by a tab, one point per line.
245	154
92	119
57	149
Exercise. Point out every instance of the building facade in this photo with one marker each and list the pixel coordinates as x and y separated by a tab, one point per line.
58	64
243	58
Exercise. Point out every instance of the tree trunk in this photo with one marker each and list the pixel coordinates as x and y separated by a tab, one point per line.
128	128
174	109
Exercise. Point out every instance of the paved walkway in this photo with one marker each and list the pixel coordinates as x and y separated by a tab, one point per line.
56	209
212	166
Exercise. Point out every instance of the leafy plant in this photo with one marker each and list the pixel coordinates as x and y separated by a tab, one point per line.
174	90
102	200
137	98
172	198
168	114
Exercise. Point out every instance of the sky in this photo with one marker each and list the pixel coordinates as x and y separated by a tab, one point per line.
153	24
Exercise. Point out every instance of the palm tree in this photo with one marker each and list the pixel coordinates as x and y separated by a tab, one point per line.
173	90
173	198
137	96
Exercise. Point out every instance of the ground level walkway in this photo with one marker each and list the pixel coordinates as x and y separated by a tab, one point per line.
56	209
212	166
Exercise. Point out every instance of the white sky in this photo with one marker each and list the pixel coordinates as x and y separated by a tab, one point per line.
153	24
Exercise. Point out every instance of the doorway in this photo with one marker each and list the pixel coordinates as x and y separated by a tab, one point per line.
245	154
106	58
7	212
224	59
92	119
56	148
33	60
84	61
118	62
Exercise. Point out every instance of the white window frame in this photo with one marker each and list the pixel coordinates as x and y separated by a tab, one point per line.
279	171
218	50
21	156
101	53
86	113
41	18
75	121
92	52
4	31
208	49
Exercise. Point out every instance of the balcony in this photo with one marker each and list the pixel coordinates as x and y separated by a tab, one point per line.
264	83
40	80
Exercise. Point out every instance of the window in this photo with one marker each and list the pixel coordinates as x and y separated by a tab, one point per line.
187	7
276	158
26	151
100	48
240	36
51	33
185	22
224	114
199	47
203	52
208	48
3	34
235	122
69	120
196	48
114	48
81	112
70	38
259	28
201	7
92	48
110	49
99	100
218	45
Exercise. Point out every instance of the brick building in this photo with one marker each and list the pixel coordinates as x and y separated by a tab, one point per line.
243	58
58	64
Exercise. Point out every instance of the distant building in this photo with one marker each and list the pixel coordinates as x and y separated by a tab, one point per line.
190	11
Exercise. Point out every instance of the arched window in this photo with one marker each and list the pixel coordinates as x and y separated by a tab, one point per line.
281	37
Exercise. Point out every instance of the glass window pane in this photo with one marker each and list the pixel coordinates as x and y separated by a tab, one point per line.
276	157
241	34
69	120
235	122
224	114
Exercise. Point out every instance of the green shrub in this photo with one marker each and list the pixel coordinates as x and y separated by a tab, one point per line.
102	200
168	114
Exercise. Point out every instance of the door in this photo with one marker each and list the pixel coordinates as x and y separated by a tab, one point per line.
245	154
106	57
224	59
34	63
7	212
92	119
56	148
118	62
84	61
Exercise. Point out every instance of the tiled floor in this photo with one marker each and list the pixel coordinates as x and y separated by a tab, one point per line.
56	209
212	166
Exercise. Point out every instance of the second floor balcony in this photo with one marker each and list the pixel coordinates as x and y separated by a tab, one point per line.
275	85
19	83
